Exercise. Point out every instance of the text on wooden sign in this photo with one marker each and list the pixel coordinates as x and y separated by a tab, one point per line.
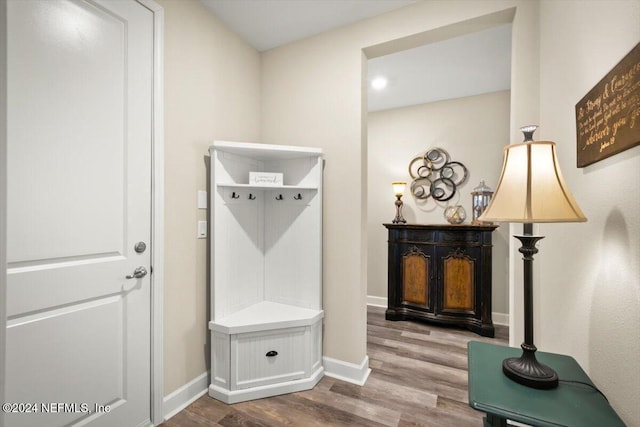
608	117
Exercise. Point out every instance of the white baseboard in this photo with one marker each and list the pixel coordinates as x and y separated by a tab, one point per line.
345	371
179	399
235	396
498	318
376	301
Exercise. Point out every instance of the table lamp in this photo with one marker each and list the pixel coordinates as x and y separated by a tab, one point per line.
398	190
531	189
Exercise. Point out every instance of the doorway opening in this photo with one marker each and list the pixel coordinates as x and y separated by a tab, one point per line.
446	88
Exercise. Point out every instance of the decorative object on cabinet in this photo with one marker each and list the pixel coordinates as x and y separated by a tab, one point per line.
441	273
455	214
268	179
531	189
266	271
606	117
398	190
480	199
435	175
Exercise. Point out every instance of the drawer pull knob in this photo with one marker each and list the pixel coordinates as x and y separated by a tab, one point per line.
271	353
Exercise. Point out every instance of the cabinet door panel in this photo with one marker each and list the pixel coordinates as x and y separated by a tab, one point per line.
459	270
416	277
459	283
415	282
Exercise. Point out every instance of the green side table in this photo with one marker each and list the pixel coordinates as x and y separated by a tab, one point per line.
570	404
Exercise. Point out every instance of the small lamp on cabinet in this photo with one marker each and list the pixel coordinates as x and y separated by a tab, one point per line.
398	190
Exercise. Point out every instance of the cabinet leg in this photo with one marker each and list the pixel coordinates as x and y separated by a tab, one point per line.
487	330
491	420
392	315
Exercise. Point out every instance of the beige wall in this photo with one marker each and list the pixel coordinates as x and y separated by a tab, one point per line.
212	91
473	130
312	95
588	303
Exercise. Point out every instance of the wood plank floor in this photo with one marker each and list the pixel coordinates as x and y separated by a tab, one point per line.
418	378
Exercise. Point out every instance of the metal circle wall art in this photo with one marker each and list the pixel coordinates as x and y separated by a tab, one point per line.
435	175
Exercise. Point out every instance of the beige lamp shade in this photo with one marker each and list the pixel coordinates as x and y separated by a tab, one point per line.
398	187
531	187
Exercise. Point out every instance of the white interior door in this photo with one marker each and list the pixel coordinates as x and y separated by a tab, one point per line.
79	200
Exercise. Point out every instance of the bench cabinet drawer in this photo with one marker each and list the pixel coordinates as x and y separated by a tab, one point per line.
268	357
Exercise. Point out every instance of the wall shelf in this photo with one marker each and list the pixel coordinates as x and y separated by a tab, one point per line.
266	187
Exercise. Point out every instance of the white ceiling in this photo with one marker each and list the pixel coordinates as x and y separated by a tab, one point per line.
266	24
468	65
462	66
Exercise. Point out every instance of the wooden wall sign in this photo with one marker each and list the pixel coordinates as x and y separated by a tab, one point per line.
608	117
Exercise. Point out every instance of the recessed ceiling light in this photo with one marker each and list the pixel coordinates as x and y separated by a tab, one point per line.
379	83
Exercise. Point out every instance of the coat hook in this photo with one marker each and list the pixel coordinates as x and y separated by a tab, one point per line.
298	197
251	197
234	195
280	197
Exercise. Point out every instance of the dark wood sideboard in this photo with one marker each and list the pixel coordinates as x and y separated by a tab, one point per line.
441	273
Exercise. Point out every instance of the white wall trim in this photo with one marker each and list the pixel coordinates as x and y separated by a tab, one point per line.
3	195
346	371
267	390
179	399
501	319
157	215
377	301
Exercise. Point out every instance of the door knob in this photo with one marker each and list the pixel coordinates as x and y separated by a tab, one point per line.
138	273
140	247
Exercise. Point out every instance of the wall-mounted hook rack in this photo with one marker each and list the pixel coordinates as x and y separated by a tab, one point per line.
235	195
279	197
251	197
298	197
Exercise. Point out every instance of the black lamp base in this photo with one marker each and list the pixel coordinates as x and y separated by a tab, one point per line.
399	219
526	370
